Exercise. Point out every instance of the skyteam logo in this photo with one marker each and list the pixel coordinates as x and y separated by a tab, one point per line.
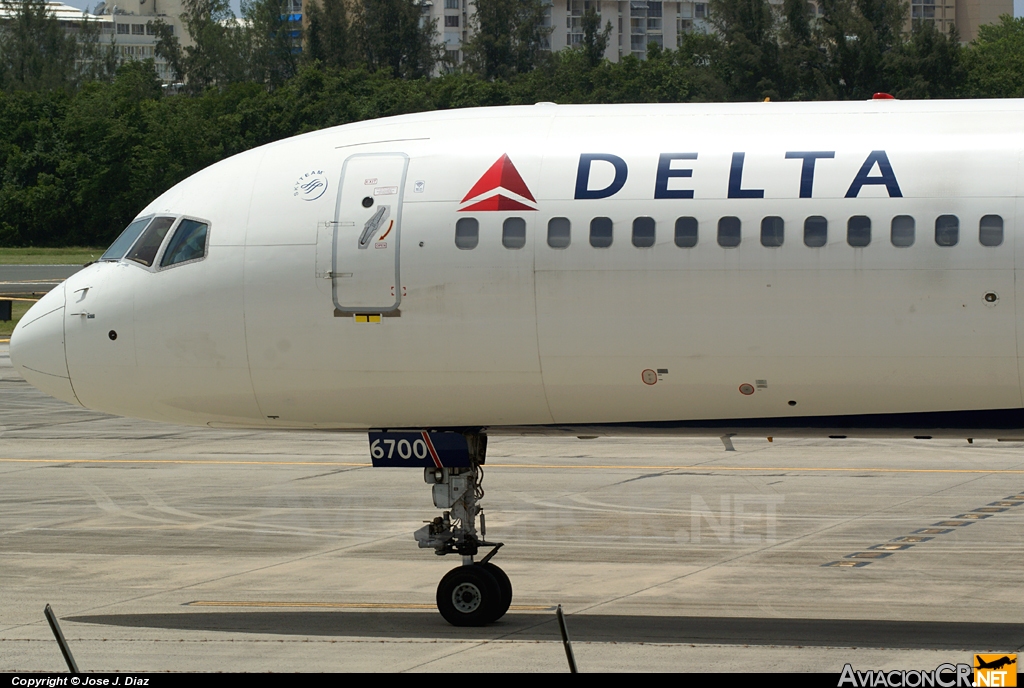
500	188
310	186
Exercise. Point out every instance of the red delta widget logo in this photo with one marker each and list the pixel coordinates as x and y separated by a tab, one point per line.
500	188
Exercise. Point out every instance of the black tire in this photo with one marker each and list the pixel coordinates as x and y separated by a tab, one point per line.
469	596
504	586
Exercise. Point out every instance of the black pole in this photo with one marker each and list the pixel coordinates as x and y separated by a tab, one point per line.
565	641
64	649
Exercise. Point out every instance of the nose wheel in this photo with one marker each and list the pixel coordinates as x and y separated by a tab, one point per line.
474	595
504	587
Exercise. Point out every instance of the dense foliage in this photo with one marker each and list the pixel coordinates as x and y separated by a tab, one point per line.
83	148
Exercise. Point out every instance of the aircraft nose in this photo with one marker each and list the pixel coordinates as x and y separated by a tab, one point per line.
37	347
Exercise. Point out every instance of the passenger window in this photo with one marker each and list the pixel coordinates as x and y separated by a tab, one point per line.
513	232
815	231
601	232
686	232
643	232
947	230
467	233
990	230
125	241
559	232
773	231
858	231
903	231
144	250
188	243
729	232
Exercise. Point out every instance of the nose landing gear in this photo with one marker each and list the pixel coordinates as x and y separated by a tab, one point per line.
472	596
475	593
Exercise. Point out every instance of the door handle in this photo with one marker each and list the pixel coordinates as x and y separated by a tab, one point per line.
373	224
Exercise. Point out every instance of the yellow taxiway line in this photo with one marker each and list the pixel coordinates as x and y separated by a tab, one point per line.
547	466
834	469
212	462
349	605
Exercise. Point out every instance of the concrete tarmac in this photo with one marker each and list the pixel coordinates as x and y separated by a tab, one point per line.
165	548
27	279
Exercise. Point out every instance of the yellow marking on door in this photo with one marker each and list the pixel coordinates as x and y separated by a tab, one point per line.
367	318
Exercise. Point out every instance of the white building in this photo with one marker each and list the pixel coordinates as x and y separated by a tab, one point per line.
128	25
131	23
637	23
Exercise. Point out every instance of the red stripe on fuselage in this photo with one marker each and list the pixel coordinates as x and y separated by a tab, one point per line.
430	448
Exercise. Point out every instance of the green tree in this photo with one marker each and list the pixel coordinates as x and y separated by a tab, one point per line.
394	35
98	60
994	62
802	62
927	64
595	39
271	40
169	48
858	37
219	51
35	51
508	37
105	139
32	196
690	73
751	51
700	56
328	36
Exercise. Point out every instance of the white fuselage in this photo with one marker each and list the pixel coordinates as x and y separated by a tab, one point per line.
303	316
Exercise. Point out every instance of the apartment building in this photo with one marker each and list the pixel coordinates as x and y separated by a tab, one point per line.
637	23
968	14
128	25
131	22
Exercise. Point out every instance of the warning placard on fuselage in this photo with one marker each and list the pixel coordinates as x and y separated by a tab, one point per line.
419	449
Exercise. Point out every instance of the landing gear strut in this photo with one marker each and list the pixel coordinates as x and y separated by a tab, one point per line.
475	593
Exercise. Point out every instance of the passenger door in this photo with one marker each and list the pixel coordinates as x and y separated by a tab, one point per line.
365	274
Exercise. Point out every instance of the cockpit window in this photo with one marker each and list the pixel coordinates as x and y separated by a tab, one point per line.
188	243
125	241
144	250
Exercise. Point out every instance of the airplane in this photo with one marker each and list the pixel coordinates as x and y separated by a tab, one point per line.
995	663
828	269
